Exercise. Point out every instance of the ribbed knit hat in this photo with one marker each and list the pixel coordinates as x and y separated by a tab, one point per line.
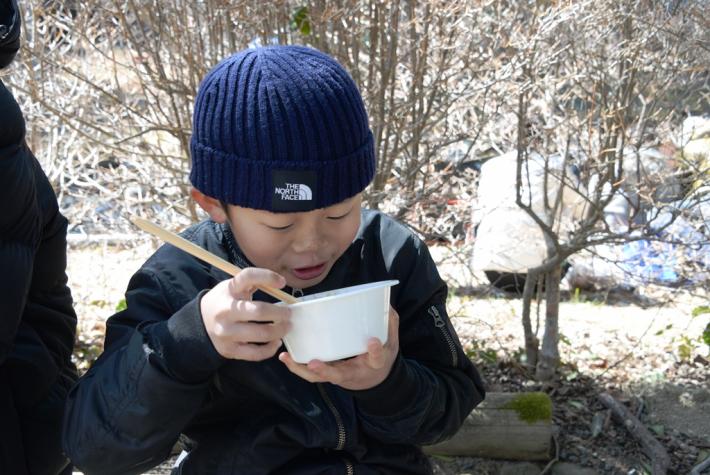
282	129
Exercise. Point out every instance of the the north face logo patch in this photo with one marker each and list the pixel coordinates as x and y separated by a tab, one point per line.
293	190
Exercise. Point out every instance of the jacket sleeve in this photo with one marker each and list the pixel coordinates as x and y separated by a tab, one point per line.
37	320
433	385
20	220
17	259
127	412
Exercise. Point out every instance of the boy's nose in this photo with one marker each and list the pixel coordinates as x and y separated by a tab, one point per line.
310	241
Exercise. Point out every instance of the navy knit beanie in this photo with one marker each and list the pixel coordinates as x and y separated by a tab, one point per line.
282	129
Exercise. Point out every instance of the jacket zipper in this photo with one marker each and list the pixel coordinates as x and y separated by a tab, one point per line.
349	469
338	421
441	325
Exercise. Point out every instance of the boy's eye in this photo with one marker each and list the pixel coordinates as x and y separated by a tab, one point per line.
279	228
339	216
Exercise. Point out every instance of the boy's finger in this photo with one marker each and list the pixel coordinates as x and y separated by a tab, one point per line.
263	312
376	357
328	372
393	330
244	284
249	352
258	332
300	370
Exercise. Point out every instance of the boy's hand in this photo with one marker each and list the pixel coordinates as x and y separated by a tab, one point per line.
362	372
240	328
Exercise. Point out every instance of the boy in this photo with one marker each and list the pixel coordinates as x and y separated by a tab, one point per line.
281	151
37	320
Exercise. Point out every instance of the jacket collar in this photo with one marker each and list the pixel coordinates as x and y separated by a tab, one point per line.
236	256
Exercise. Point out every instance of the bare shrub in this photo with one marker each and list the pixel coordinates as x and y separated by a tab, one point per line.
117	79
108	87
596	85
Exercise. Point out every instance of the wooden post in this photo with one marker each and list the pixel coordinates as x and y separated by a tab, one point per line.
512	426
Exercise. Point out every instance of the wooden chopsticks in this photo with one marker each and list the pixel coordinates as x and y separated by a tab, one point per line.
203	254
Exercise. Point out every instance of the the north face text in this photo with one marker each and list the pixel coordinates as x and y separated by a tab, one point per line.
293	190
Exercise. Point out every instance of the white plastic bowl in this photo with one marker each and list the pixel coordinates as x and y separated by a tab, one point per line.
333	325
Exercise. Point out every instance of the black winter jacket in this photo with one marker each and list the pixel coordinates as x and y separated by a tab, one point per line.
37	321
160	376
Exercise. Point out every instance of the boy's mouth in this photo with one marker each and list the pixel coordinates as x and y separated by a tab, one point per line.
308	273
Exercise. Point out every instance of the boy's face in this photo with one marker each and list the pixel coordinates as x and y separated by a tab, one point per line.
302	247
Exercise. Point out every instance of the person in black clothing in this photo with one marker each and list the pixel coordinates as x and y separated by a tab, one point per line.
37	320
281	152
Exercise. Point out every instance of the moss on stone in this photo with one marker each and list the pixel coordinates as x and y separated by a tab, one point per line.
531	407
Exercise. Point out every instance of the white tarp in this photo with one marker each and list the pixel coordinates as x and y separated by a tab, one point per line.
507	238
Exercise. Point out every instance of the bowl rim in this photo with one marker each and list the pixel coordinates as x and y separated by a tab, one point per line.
341	292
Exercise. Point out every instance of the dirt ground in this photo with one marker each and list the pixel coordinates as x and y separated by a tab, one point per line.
644	348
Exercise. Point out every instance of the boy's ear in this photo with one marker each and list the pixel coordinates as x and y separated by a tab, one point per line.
212	206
